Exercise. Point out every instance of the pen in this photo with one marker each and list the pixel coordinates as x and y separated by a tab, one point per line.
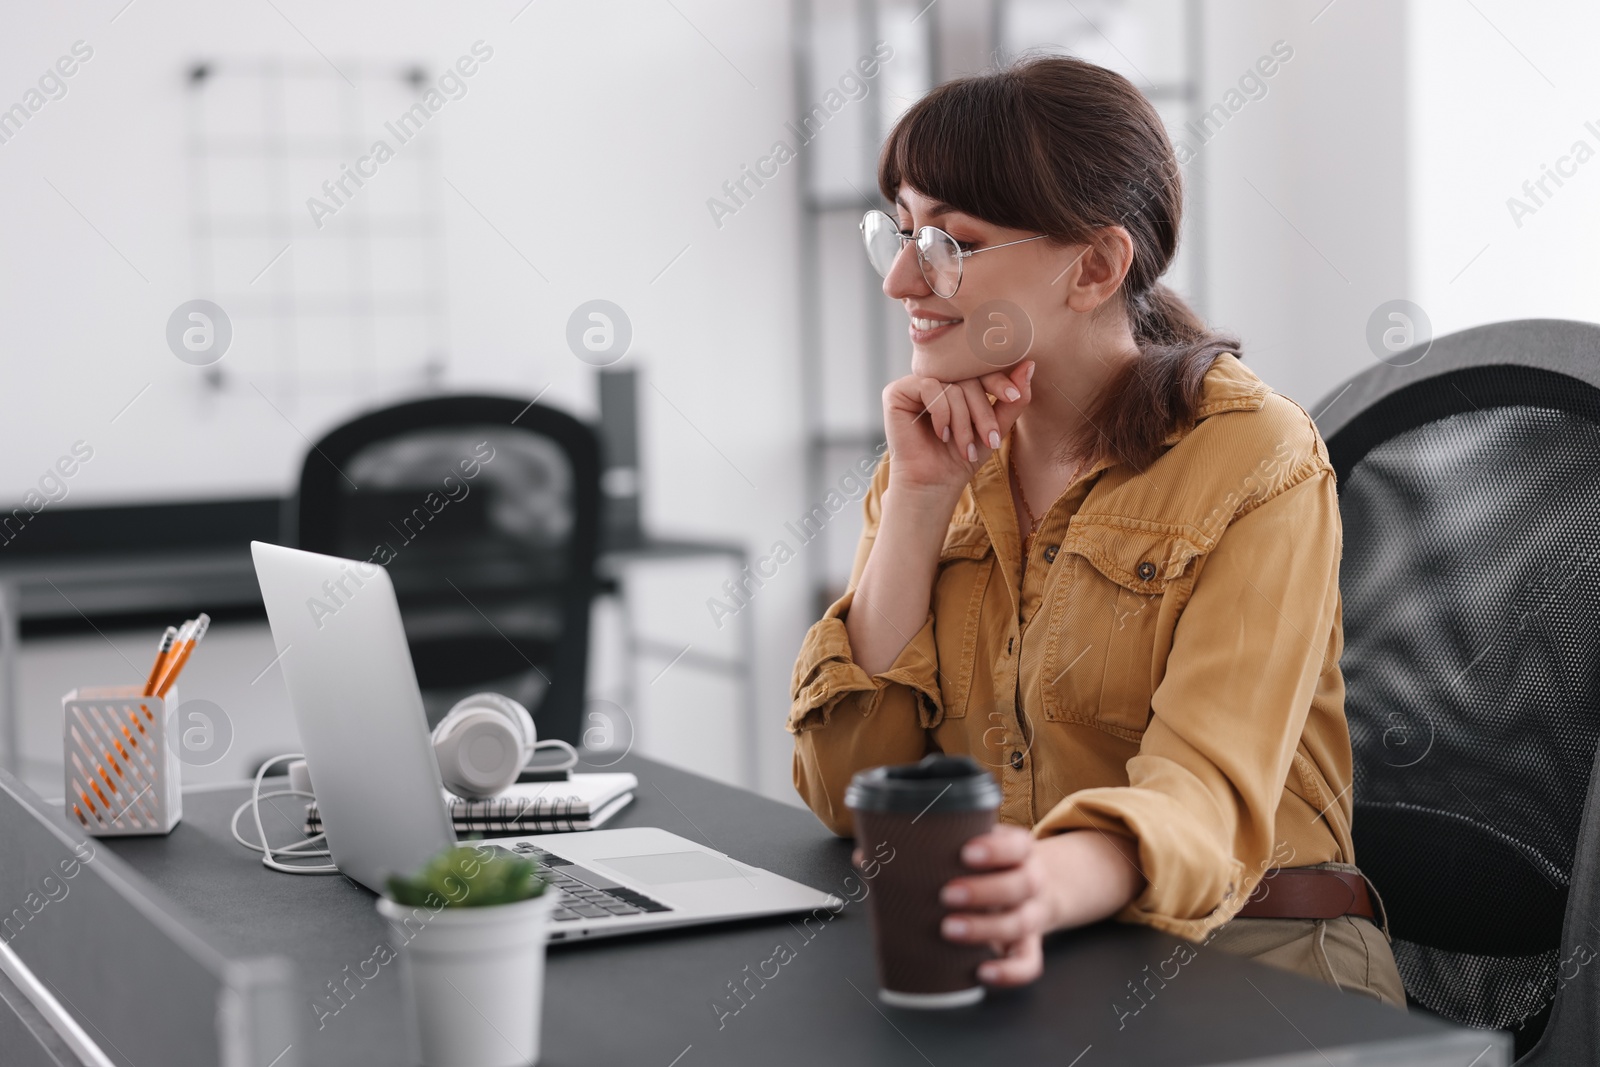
187	638
162	649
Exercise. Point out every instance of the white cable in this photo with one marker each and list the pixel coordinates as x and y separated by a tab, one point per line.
294	847
294	850
271	854
555	742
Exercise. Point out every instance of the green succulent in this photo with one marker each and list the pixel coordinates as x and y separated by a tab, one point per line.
468	877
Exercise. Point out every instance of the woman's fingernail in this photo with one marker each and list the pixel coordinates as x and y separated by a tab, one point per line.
955	927
975	854
957	894
972	453
1031	368
1012	394
994	438
946	434
988	972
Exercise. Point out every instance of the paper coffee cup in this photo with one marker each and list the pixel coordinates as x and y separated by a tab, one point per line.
924	812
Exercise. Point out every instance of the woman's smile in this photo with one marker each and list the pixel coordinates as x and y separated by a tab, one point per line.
926	328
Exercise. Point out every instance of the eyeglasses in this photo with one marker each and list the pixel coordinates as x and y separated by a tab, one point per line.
938	254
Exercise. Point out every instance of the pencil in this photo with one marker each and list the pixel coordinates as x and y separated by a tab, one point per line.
181	650
163	648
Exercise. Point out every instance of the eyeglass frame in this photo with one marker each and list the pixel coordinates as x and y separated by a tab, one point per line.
922	265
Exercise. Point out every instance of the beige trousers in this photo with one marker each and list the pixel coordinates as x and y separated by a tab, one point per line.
1349	952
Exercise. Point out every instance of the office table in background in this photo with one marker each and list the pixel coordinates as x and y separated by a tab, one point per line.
683	998
100	569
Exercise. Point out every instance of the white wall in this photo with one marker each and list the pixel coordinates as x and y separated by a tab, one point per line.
592	141
1382	159
1498	94
1306	189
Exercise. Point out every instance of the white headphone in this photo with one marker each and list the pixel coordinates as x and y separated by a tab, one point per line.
482	744
484	741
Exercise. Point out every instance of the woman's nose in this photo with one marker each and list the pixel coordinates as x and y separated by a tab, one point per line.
905	275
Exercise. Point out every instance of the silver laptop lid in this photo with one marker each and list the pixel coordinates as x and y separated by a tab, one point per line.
358	709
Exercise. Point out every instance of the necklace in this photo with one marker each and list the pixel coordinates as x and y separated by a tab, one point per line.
1027	511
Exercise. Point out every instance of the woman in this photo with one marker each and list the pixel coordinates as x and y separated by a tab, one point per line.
1108	570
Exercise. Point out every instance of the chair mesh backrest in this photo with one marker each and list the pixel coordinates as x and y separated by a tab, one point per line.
516	492
1471	583
488	531
499	538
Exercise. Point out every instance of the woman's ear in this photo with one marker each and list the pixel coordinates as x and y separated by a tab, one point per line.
1100	269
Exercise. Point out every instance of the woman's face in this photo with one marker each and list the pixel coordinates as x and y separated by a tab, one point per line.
1012	302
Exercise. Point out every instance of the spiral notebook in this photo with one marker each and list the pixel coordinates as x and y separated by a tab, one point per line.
582	802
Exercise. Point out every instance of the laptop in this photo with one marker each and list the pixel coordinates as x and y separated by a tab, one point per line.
359	712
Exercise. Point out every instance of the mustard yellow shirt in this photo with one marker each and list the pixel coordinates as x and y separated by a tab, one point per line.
1167	667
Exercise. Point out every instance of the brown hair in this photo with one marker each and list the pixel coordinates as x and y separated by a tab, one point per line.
1062	147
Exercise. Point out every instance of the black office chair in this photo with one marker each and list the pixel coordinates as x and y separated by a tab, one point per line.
1469	484
485	510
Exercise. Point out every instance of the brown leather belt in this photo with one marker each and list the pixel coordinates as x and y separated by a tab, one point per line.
1309	893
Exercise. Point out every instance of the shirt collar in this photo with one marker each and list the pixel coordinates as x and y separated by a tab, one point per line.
1228	386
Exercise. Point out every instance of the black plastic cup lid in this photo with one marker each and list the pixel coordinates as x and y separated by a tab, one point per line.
937	783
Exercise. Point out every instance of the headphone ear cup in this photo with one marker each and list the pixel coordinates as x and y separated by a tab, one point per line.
482	743
517	715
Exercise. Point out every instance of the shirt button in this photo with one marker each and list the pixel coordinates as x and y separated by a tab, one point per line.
1050	553
1147	570
1016	761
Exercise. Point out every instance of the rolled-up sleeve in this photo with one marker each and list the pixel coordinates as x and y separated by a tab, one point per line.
845	720
1227	714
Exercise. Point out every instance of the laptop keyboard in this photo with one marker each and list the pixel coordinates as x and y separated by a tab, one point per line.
584	893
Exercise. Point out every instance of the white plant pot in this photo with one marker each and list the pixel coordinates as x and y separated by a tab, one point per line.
474	979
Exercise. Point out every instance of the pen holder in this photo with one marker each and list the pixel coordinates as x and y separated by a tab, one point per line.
122	775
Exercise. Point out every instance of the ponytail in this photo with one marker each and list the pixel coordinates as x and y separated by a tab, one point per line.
1160	317
1159	392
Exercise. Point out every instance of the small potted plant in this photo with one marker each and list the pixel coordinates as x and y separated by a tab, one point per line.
470	933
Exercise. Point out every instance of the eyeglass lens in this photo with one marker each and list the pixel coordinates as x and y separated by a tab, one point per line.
882	238
937	253
941	260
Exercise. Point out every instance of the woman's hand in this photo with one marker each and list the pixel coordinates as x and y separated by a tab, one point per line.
1031	887
939	432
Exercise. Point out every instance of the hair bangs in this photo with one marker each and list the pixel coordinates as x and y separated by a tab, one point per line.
962	144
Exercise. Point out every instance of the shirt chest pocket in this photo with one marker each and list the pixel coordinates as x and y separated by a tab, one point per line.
1112	609
966	563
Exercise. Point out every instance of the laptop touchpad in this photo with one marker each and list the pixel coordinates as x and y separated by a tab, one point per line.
664	867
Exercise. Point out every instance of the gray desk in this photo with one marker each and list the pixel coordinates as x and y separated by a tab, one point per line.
643	1000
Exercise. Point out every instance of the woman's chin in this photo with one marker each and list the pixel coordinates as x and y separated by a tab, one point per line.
948	366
